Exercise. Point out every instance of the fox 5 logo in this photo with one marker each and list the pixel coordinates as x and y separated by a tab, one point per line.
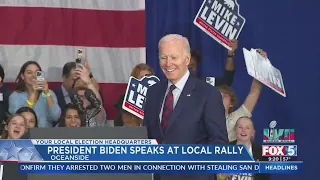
278	150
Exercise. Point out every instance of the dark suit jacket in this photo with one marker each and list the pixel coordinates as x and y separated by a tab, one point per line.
4	104
60	97
61	100
118	105
198	118
257	155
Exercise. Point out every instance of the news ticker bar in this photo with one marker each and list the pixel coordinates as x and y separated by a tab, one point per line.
162	167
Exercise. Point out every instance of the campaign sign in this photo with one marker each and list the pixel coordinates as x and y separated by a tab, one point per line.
242	176
261	69
136	94
221	20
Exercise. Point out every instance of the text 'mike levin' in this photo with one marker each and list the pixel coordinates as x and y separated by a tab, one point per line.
224	20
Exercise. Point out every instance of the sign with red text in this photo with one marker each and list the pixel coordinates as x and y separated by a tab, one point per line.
136	93
221	20
261	69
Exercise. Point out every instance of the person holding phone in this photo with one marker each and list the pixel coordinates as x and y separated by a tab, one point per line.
32	91
68	78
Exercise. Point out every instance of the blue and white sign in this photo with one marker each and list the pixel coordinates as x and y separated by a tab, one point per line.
221	20
135	98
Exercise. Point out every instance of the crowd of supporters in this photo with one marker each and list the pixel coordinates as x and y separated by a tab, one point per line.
41	107
33	105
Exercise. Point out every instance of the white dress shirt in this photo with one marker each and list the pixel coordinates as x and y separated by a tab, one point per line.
176	92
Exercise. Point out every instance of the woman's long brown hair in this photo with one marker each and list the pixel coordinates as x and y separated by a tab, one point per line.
20	84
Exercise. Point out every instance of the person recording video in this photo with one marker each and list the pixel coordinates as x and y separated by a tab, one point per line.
87	98
32	90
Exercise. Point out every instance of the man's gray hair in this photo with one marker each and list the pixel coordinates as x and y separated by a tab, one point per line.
176	37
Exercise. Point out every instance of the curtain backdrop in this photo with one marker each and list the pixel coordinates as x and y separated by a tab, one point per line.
288	31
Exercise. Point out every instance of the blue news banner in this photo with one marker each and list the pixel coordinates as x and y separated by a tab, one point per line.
133	156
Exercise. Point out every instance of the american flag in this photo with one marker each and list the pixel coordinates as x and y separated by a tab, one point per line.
50	31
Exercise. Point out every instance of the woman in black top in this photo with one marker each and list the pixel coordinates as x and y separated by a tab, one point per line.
245	132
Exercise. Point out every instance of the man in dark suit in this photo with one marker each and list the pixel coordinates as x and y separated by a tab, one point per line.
69	77
183	109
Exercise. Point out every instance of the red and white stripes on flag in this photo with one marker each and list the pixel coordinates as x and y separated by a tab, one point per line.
50	31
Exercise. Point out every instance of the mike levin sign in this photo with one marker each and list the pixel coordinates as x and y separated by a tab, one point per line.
136	94
262	70
221	20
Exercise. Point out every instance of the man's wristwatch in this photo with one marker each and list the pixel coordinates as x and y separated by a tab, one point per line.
231	56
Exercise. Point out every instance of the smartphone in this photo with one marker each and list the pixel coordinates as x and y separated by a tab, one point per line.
40	77
80	57
211	80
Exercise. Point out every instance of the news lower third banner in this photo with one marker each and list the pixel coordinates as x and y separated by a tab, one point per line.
47	156
160	167
116	150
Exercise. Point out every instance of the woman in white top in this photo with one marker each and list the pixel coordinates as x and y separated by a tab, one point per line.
230	101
